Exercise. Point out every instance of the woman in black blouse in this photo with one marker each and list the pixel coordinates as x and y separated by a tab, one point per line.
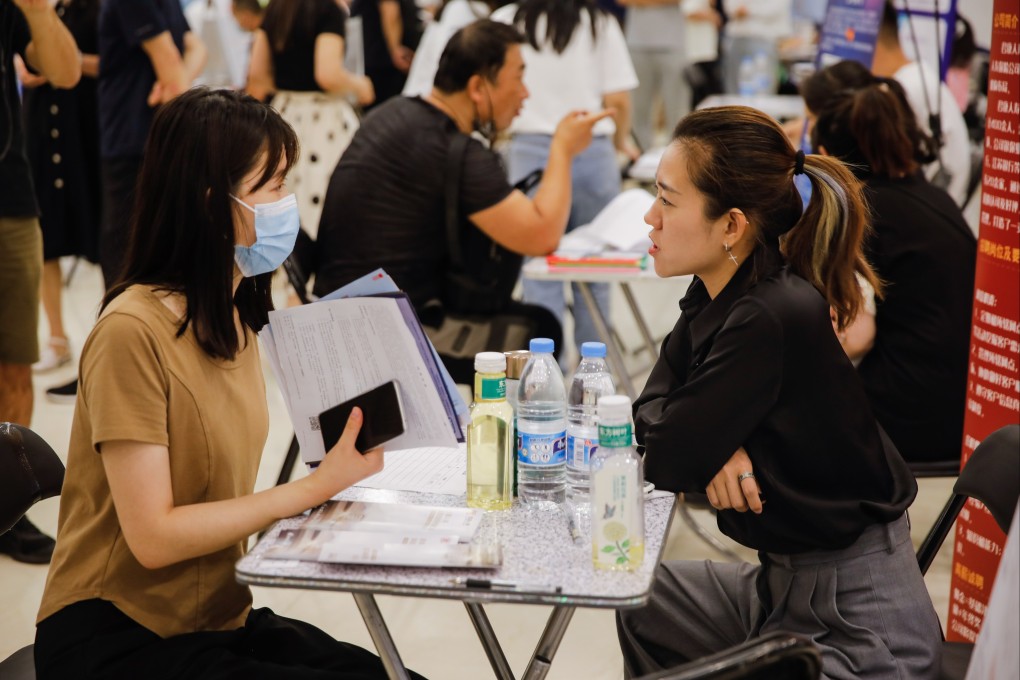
754	400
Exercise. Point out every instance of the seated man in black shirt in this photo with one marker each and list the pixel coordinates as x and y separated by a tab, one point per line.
387	203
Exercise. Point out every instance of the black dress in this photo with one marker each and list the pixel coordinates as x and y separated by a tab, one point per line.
62	144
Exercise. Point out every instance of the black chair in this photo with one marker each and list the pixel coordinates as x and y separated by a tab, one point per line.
30	471
773	656
992	476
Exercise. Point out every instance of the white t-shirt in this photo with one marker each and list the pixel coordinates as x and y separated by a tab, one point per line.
227	43
576	79
955	145
456	15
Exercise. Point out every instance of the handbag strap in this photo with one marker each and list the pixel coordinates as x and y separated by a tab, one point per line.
454	164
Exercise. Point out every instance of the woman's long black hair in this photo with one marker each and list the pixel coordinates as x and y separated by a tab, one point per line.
562	19
288	21
200	148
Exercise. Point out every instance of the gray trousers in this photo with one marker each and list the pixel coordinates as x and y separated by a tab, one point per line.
866	607
659	72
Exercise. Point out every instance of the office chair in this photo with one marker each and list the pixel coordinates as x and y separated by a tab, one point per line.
30	471
773	656
992	476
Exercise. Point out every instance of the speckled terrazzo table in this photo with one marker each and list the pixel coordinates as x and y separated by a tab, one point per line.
537	552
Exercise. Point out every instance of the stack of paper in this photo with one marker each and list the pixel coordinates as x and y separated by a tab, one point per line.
359	532
341	346
617	237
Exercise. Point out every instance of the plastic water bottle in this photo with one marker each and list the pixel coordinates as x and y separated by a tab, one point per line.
747	78
591	381
516	360
762	74
541	428
617	490
490	437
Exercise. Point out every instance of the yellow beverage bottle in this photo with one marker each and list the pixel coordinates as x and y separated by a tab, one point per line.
490	444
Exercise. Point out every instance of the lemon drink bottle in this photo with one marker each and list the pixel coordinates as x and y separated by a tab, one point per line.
617	490
490	437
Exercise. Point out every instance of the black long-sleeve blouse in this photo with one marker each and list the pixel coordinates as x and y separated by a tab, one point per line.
760	367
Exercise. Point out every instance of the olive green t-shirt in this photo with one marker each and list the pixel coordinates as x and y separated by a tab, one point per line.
140	382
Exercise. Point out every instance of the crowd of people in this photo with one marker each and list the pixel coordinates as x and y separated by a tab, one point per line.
821	349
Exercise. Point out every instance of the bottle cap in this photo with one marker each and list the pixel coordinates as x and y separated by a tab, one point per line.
541	346
490	362
515	363
593	349
613	407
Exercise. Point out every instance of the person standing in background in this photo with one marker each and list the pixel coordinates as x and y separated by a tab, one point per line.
753	31
655	31
32	30
576	60
149	56
928	96
391	33
298	53
62	144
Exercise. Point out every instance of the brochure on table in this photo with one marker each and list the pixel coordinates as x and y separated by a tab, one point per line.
340	346
358	532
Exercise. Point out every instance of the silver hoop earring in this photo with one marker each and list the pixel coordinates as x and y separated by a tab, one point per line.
729	251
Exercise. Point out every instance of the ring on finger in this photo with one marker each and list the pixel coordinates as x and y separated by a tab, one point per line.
744	475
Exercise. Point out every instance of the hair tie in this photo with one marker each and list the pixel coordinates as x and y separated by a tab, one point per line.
798	165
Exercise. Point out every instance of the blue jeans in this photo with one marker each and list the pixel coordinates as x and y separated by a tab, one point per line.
595	182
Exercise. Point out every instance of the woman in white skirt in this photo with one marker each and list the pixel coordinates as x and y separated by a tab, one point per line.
298	54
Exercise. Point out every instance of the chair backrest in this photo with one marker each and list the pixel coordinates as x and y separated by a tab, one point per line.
29	472
992	476
773	656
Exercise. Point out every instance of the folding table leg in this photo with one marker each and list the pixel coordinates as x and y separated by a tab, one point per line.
381	636
487	636
540	662
646	335
612	350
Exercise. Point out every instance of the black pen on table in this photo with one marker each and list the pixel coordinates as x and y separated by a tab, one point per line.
495	584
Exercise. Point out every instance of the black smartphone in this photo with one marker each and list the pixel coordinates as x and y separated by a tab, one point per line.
383	418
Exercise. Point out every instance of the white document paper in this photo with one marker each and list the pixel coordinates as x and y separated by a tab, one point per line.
331	351
431	469
395	518
621	224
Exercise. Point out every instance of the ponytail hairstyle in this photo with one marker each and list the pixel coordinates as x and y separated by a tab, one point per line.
823	88
868	129
737	157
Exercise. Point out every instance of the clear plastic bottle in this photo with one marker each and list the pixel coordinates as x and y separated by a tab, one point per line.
541	428
490	437
591	381
747	77
516	360
617	490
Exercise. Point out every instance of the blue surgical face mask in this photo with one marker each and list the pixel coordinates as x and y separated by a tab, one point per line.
276	230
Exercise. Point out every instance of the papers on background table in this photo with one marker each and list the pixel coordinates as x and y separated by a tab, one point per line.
620	226
330	351
360	532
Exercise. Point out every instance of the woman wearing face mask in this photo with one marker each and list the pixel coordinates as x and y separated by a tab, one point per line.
576	59
171	420
753	398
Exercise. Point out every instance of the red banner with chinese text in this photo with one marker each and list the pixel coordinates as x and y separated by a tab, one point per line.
993	389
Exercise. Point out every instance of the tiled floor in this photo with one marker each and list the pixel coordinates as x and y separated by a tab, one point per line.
434	637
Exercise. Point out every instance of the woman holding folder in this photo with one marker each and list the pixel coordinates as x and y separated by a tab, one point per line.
171	420
754	402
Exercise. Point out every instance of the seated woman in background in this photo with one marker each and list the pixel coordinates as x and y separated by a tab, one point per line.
171	420
752	397
913	352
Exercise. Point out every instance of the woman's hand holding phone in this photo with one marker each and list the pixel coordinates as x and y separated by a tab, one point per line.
344	465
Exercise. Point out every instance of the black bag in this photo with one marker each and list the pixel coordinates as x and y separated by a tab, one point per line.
480	274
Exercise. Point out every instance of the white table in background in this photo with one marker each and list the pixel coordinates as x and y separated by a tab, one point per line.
537	269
